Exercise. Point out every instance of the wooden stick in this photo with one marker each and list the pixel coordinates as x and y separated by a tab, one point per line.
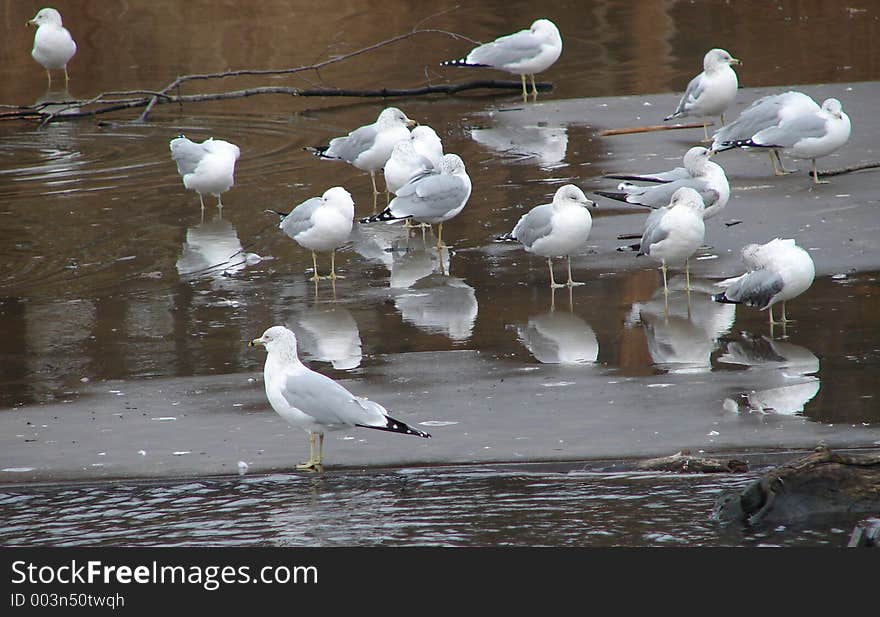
846	170
651	129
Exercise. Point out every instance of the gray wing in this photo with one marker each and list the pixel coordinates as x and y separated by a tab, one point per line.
534	225
187	154
300	218
654	231
428	196
328	402
756	288
691	94
348	148
789	133
660	195
515	47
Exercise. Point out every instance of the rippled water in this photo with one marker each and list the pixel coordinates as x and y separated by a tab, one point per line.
406	507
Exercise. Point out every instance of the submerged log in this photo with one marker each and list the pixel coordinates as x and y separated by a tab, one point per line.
683	462
822	483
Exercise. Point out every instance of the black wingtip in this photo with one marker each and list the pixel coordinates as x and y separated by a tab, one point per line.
383	216
461	62
396	426
635	178
612	195
316	150
508	237
723	299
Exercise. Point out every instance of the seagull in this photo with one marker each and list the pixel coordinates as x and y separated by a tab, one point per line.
206	167
523	53
711	92
777	271
807	134
699	173
420	153
321	224
314	402
766	112
369	147
556	229
53	45
673	233
432	197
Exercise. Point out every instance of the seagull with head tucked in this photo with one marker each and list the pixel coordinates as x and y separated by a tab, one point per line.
53	44
207	167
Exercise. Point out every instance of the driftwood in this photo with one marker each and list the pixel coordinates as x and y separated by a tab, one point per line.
846	170
822	483
683	462
108	102
651	128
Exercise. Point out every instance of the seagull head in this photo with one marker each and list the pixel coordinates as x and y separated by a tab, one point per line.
833	107
277	339
572	195
45	16
545	28
687	197
718	57
451	164
339	198
695	160
391	116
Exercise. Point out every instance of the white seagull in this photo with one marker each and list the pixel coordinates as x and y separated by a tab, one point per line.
53	45
206	167
526	52
777	271
766	112
321	224
420	153
807	134
432	197
557	229
369	147
314	402
675	232
711	92
699	173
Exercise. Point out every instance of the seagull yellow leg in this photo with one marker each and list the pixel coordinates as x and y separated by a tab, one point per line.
315	276
706	139
687	277
66	76
439	236
525	92
202	201
816	179
534	88
313	463
320	461
553	283
570	282
333	276
49	75
219	202
665	288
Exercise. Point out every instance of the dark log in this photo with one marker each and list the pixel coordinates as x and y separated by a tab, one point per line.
822	483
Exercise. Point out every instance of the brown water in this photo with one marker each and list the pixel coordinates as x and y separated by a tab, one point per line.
109	271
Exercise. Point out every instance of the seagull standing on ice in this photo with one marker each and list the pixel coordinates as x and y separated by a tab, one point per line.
556	229
53	45
526	52
314	402
711	92
777	271
369	147
321	224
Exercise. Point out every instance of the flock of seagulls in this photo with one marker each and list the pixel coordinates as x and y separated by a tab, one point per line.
431	186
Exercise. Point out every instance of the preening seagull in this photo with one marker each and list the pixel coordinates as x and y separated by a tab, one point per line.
777	271
699	173
766	112
432	197
522	53
321	224
711	92
369	147
206	167
557	229
53	44
807	134
314	402
675	232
